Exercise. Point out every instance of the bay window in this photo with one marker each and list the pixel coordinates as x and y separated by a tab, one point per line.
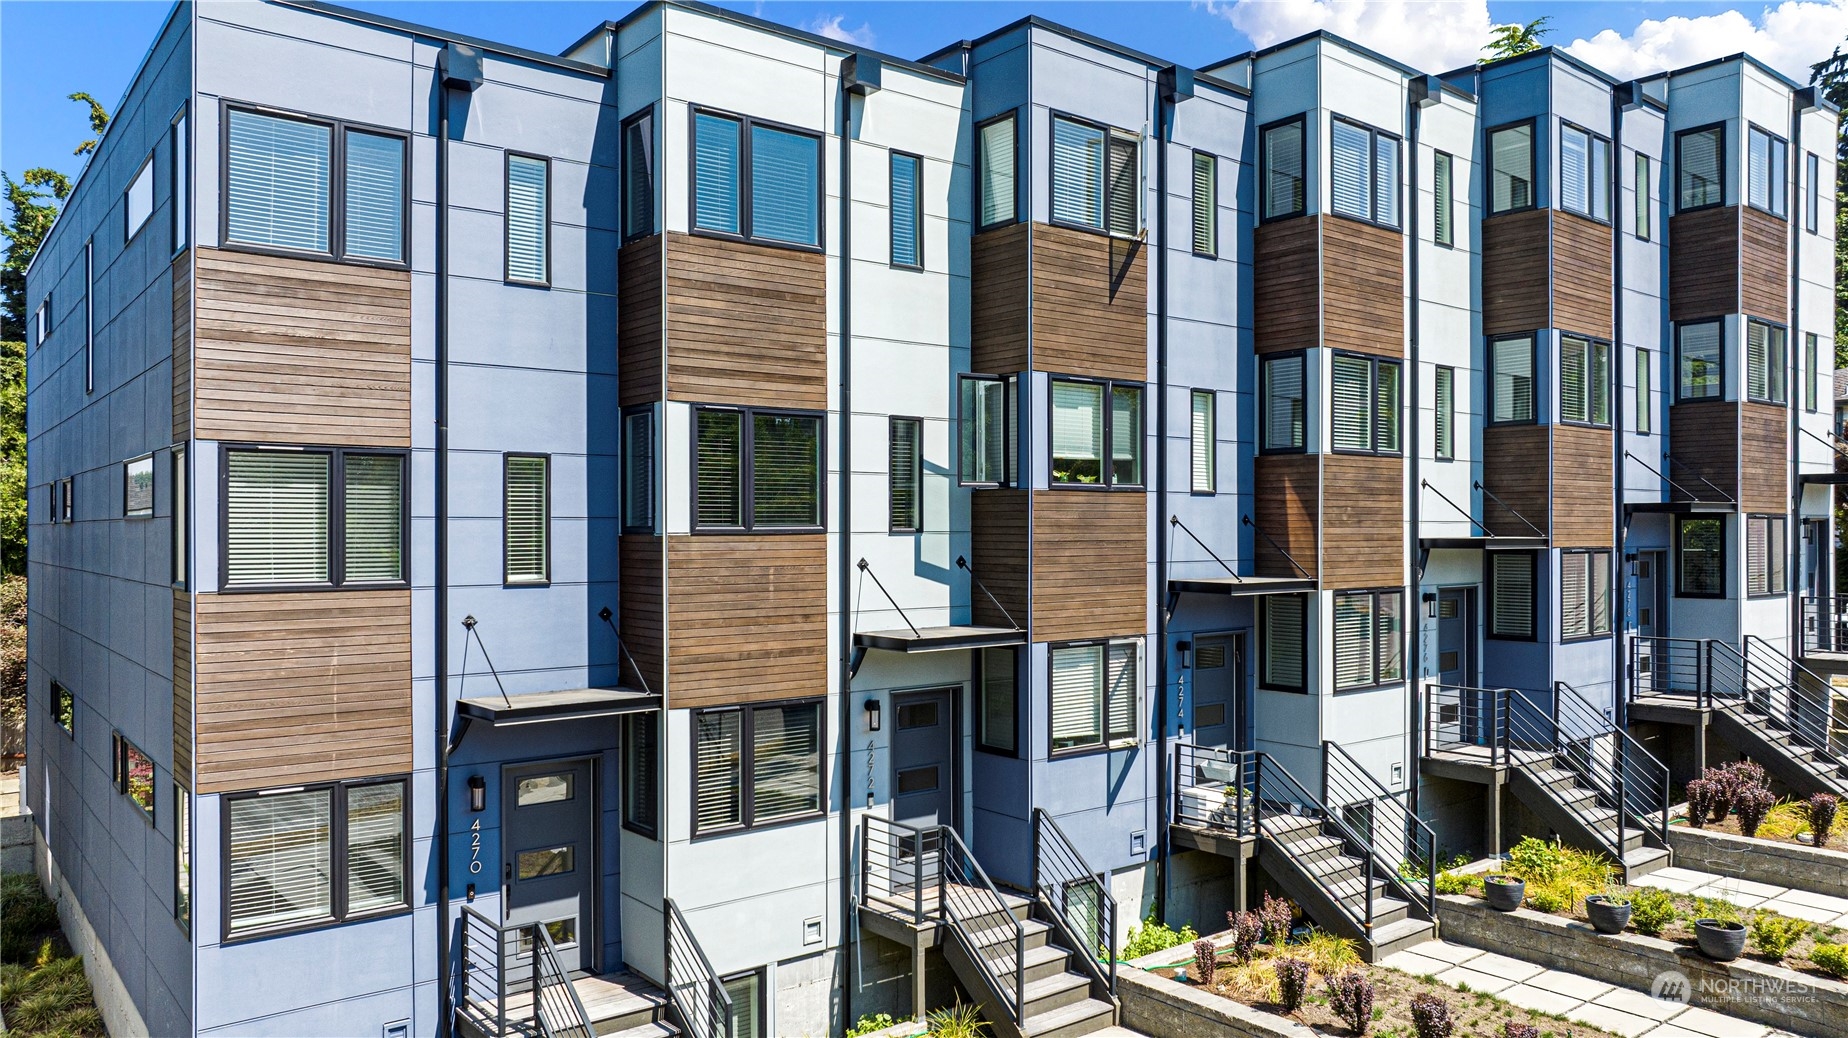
1095	695
311	856
1699	374
316	517
1584	594
1511	168
1365	404
756	470
1584	381
756	765
1364	169
1096	433
1369	638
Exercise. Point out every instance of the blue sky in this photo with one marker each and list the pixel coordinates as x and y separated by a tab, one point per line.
49	48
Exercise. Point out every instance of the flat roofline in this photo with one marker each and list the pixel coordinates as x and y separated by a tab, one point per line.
1036	22
1329	37
766	25
1551	53
507	50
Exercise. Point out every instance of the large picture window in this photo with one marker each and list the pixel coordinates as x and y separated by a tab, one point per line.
1511	596
756	765
1700	167
1284	651
756	181
1511	380
1584	381
1364	166
313	518
1699	375
1766	362
1096	433
1700	549
1584	594
1284	179
1511	168
1284	403
1095	696
996	174
1584	173
284	178
1766	171
1365	404
1096	177
304	857
756	470
1369	638
1765	548
998	721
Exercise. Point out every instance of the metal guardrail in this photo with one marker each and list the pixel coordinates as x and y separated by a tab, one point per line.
1399	838
1760	680
1824	626
1791	696
1214	789
1077	896
1612	762
693	986
500	960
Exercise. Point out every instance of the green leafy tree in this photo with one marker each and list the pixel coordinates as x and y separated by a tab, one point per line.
1505	41
12	457
1831	75
99	122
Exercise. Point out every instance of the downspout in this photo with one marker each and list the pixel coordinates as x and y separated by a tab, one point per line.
844	533
1620	529
1793	545
1422	92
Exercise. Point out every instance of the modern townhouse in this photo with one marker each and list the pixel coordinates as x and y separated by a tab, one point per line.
722	531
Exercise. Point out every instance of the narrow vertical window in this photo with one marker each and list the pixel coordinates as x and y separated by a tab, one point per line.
1700	178
638	471
997	171
1765	173
1584	381
1698	372
181	483
1511	168
527	518
1205	204
1584	173
1765	362
1645	402
180	167
1511	376
986	423
138	201
1811	358
1205	452
1284	403
638	175
641	797
1443	199
182	857
1764	555
719	468
1350	161
1284	183
1078	173
41	323
907	210
716	172
1643	200
1812	197
1284	649
905	475
1444	405
528	222
373	533
89	316
999	714
1511	595
1123	186
374	173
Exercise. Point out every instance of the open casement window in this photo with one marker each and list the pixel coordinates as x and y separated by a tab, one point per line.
1511	595
641	795
1584	594
1644	201
987	431
1284	181
1369	638
1443	198
1096	433
638	456
1766	358
1365	404
284	176
1284	402
996	173
1765	556
905	475
1364	170
1645	392
1204	452
528	219
1766	172
1700	168
1444	413
1511	168
182	857
1584	173
1284	651
638	175
1095	696
1096	177
304	857
313	518
1700	548
1511	380
756	470
756	765
998	719
182	510
1205	204
1699	373
138	779
1584	381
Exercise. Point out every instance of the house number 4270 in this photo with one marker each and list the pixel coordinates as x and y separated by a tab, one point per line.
474	849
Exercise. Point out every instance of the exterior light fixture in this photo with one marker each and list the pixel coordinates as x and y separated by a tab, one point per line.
1185	649
872	715
477	793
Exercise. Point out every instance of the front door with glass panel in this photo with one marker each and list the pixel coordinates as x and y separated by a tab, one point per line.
548	838
1215	693
923	744
1461	714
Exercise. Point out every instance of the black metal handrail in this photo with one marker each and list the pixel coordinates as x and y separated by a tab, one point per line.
1533	741
1279	795
1824	626
1399	838
1463	716
1077	897
995	940
1616	765
1791	696
693	986
1214	789
504	959
1669	667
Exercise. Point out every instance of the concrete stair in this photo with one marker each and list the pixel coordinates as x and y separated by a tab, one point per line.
1058	999
1332	886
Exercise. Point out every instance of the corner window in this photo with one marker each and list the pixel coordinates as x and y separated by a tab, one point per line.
182	857
1700	168
1811	373
1812	195
1443	199
1584	594
907	184
1096	433
638	470
313	518
1511	168
638	175
905	475
138	487
182	511
303	857
1584	173
998	720
1369	638
41	323
996	159
1766	176
280	185
1284	161
986	430
180	143
1698	372
1204	452
526	518
756	765
63	708
1511	596
1094	696
1205	204
769	191
1765	362
1444	413
1584	381
528	219
756	470
1765	554
1511	380
138	201
641	795
1096	177
1365	404
1644	203
1700	558
1364	165
1284	652
138	779
1645	402
1284	402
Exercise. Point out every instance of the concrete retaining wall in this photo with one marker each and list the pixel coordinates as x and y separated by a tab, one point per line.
1750	990
1164	1008
1818	870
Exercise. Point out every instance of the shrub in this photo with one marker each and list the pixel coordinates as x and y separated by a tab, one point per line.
958	1021
1752	803
869	1024
1276	914
1551	896
1328	953
1822	809
1774	935
1431	1016
1536	861
1716	909
1702	795
29	916
1292	981
1652	910
1510	1029
1831	958
1350	995
1457	883
1152	937
1246	928
1206	962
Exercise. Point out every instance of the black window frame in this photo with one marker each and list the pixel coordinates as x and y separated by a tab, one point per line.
336	518
1780	373
1777	563
1374	363
1719	392
182	857
1592	140
1264	403
179	509
1591	555
545	209
1532	125
641	815
1533	377
747	760
1211	251
1812	192
1374	134
41	328
1106	457
1444	414
1533	594
916	477
1642	216
1720	161
1681	525
1779	186
59	696
1010	430
982	742
67	499
981	174
917	210
179	179
1307	647
89	316
128	477
747	490
1444	204
630	232
336	185
130	229
628	415
339	881
1384	641
507	578
1592	343
1106	743
1301	120
1111	134
746	172
149	812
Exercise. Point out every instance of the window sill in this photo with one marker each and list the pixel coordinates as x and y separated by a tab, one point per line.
1772	213
277	589
1368	221
646	834
754	531
1295	690
1700	208
1509	422
1709	595
1280	217
1528	638
1283	450
322	923
526	283
527	583
1375	687
1089	750
1577	638
308	254
741	239
1766	400
1057	485
1101	232
756	827
1008	752
1358	452
1601	221
1514	210
1756	595
1575	423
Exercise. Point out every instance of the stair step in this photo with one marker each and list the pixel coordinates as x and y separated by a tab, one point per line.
1061	989
1067	1021
1034	932
659	1029
1399	935
1042	962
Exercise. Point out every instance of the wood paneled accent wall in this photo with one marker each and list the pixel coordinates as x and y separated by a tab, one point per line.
1583	512
1287	282
1090	304
1363	287
999	299
1703	438
1000	524
1288	492
1764	265
1703	263
746	323
747	617
641	620
1583	280
1363	521
1090	564
297	351
1516	257
182	689
1764	431
638	321
302	687
1514	470
182	346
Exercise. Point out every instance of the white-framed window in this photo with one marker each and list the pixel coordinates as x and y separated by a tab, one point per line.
1584	381
1285	183
1284	652
297	858
1584	173
138	200
1096	177
1364	168
1444	410
1096	433
526	518
1766	359
1095	695
1365	404
986	430
1766	175
996	173
756	765
1284	403
1511	168
1584	594
1511	379
1203	453
1765	548
528	219
1511	595
1205	204
1369	638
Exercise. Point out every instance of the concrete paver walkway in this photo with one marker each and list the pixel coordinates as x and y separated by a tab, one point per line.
1621	1011
1798	904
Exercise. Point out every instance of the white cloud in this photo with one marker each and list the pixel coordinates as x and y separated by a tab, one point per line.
1431	35
833	27
1789	37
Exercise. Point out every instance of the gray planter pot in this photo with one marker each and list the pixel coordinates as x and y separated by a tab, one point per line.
1606	915
1721	942
1504	893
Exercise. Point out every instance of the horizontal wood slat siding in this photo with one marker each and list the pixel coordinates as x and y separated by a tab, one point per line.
182	690
999	299
1287	283
1703	263
1582	482
1090	304
999	521
1763	439
182	346
1363	521
1363	297
1514	469
638	321
302	687
295	351
641	622
1582	281
1764	267
746	323
1703	438
747	618
1288	492
1516	259
1090	564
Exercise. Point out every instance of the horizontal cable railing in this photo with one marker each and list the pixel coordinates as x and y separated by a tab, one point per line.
995	940
1610	761
1668	667
1281	797
1077	896
1460	718
900	867
1402	845
1824	623
1791	696
1535	743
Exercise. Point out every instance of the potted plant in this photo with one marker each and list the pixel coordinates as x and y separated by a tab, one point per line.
1721	940
1504	892
1608	913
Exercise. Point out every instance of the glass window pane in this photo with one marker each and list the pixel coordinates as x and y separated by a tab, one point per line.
718	760
1351	171
998	172
1643	196
546	861
1126	435
638	470
1599	382
785	470
1511	172
785	186
1202	461
374	196
138	487
545	789
374	517
998	699
1574	595
1077	173
1205	204
138	778
1445	407
1077	696
1283	162
1120	700
1702	547
640	772
1283	647
1645	403
1351	396
785	761
375	847
719	457
904	473
1575	170
276	518
984	432
1511	595
1355	655
1698	155
638	190
1513	361
139	199
1600	179
907	220
1386	404
1389	635
1386	180
715	173
280	857
1124	186
1284	414
276	181
1700	371
527	519
1572	385
1443	199
527	218
743	992
1077	432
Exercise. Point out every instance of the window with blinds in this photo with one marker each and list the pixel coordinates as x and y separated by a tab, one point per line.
785	175
528	223
374	189
1087	416
638	175
1511	168
718	762
1123	186
277	505
641	793
281	861
1766	175
1443	198
1645	197
638	470
907	190
1584	594
1205	204
373	528
375	847
998	724
1284	652
1283	181
985	431
1700	171
138	200
1203	457
1700	549
1125	435
1363	170
1284	403
1765	548
526	518
1812	195
905	475
1511	596
1812	357
744	991
996	159
1584	381
1444	413
756	765
1511	378
182	525
1699	373
1645	392
1766	360
1584	173
280	187
1364	399
180	166
1094	700
717	170
1096	177
756	469
1369	628
718	468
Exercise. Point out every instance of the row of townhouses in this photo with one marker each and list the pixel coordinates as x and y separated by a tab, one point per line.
724	532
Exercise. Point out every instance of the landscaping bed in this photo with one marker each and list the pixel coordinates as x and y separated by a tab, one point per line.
1782	863
43	990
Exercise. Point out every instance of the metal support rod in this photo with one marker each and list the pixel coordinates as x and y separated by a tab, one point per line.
1490	494
1664	477
1259	530
1479	524
867	568
1175	520
962	562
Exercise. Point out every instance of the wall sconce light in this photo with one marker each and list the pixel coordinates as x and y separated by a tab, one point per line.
1185	649
1430	603
477	793
872	715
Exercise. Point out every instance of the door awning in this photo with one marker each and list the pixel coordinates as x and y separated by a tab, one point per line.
577	704
939	639
1485	541
1237	586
